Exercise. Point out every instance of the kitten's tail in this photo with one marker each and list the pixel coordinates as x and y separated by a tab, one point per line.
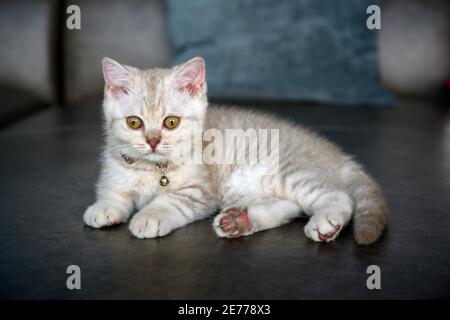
371	212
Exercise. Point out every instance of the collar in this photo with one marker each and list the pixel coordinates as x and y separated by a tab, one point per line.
162	168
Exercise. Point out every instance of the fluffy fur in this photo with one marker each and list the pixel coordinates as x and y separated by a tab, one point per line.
314	177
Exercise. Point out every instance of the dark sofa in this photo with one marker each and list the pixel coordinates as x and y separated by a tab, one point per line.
51	141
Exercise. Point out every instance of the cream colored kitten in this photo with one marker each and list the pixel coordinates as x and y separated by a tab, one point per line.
151	118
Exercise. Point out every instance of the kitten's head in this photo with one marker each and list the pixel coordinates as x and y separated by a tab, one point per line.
151	115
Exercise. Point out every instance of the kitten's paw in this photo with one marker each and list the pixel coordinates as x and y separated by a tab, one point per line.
101	215
148	225
232	223
324	227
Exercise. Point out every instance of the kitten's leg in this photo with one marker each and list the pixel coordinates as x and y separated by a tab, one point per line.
110	209
330	213
171	211
241	221
330	209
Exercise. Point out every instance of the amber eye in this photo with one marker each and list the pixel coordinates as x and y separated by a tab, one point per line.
134	122
171	122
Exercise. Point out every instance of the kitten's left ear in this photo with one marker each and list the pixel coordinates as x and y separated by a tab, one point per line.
191	76
116	76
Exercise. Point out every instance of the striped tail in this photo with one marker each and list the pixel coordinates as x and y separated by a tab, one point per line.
371	212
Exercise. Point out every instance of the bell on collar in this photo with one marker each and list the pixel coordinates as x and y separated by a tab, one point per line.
164	181
162	169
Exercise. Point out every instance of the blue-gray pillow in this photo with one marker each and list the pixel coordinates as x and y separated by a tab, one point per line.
282	50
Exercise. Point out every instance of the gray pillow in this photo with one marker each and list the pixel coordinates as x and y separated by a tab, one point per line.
282	50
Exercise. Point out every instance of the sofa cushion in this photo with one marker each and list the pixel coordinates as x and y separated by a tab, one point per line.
132	32
17	103
415	46
263	49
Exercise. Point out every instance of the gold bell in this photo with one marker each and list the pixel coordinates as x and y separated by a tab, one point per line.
162	169
164	181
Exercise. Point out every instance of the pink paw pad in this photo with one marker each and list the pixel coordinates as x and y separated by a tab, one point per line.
329	235
236	222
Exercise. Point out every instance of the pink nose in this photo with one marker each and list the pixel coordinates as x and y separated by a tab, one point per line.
153	142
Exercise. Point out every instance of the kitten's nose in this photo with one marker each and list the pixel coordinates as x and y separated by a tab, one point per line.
153	142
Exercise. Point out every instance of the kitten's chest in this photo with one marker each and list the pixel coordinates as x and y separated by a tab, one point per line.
145	190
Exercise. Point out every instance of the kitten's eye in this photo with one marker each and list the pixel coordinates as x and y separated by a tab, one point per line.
134	122
171	122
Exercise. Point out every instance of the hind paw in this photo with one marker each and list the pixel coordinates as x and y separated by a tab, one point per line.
232	223
324	227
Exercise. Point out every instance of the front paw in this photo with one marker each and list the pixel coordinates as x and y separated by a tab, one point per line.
101	215
150	225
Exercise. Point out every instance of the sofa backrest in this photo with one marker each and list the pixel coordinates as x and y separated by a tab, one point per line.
26	55
414	45
132	32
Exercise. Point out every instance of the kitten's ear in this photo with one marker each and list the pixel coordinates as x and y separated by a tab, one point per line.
116	76
191	76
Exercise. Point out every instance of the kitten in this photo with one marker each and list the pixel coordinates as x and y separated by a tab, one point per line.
150	120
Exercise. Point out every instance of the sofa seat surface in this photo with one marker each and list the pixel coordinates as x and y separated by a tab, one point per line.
48	171
16	104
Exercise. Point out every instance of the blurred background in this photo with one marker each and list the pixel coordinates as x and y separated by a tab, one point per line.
381	95
256	51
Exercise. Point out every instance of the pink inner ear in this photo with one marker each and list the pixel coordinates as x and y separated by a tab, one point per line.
116	77
117	90
191	76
